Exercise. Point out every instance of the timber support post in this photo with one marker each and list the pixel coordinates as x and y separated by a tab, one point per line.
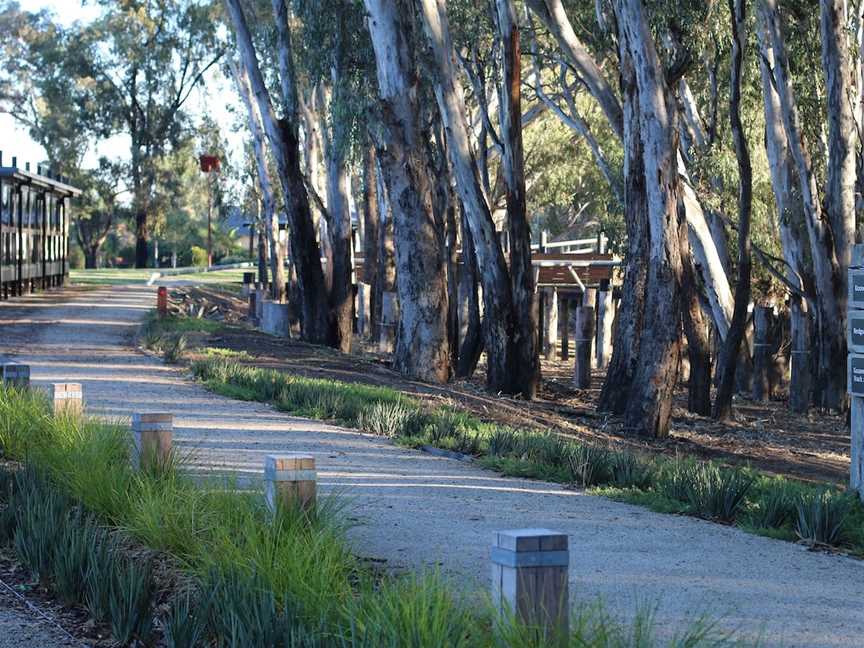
605	317
152	437
589	298
550	323
761	352
364	313
800	381
389	318
16	375
530	579
290	481
565	328
583	343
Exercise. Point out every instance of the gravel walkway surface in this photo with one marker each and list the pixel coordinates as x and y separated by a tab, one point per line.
412	509
21	626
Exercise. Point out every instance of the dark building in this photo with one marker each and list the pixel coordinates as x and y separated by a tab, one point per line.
34	229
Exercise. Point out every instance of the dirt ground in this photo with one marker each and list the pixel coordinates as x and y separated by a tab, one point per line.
765	435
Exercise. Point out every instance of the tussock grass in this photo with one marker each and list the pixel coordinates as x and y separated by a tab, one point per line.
283	581
773	506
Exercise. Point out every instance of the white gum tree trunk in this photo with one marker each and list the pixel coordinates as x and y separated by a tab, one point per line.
830	317
283	138
269	214
650	398
708	260
423	349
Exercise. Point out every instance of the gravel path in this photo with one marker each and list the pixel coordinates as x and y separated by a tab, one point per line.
412	509
21	626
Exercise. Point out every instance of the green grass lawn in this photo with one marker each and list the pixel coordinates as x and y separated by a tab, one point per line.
125	276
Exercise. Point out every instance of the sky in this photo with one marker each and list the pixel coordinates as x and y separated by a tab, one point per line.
213	96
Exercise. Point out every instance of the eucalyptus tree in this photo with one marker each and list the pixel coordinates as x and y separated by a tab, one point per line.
151	55
829	218
731	345
422	344
508	293
316	322
269	215
48	85
575	52
334	68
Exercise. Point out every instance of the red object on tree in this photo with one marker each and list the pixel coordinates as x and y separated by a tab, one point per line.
209	163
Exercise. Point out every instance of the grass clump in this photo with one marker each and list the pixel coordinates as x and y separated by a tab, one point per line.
821	518
287	580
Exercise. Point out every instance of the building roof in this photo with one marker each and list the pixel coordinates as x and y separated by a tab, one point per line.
37	180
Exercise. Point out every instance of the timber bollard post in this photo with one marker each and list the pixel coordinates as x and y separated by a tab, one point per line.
16	375
761	352
66	398
605	317
162	301
583	341
550	323
530	578
253	307
290	481
800	375
564	314
152	436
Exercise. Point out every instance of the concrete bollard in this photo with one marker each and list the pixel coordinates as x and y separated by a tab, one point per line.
66	398
275	319
583	342
290	481
152	435
162	301
16	375
530	578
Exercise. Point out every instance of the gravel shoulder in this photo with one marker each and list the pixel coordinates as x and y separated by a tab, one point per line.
414	510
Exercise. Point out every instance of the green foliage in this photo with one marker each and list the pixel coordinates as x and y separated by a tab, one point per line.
199	257
185	625
821	518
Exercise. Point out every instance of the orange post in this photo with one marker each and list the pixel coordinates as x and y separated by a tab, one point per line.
162	301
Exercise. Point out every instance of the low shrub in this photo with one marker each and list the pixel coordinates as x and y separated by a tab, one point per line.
174	348
774	507
385	419
627	471
589	465
185	624
821	517
717	493
131	600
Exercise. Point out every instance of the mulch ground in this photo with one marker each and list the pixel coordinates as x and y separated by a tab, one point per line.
765	435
